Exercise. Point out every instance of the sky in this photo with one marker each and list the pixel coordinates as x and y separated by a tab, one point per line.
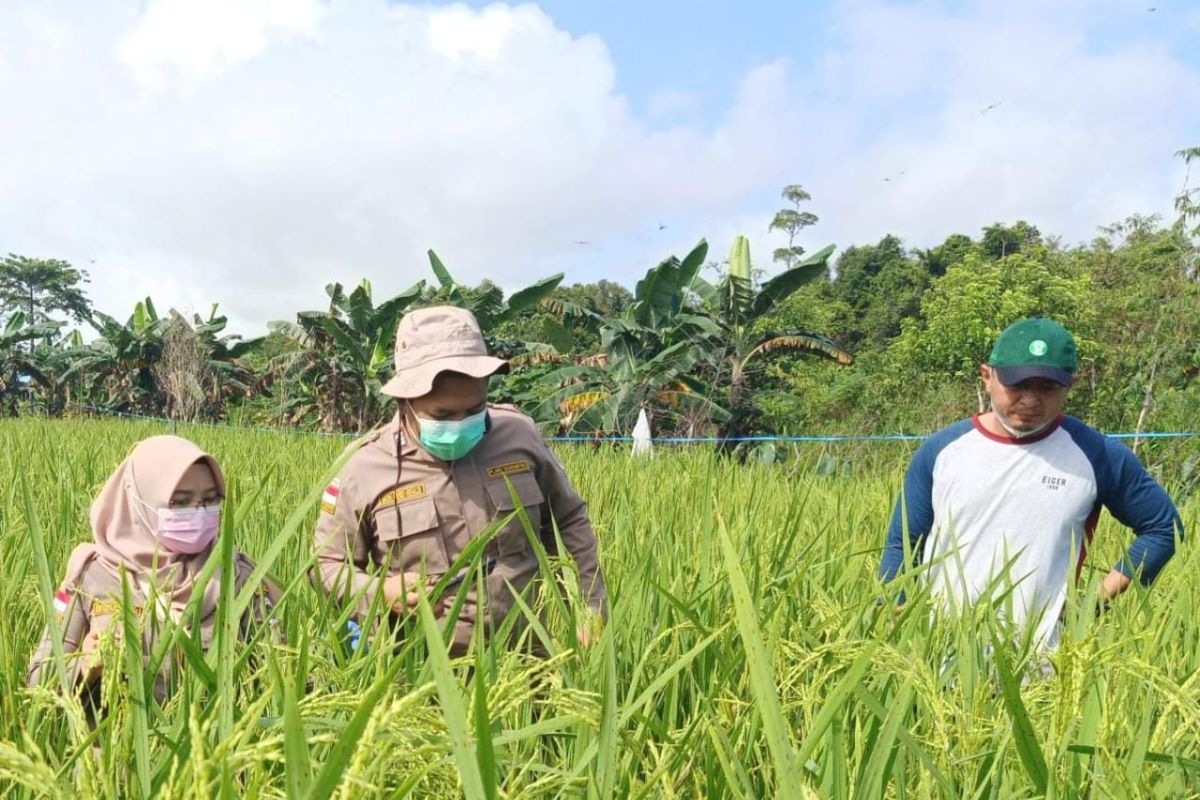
248	152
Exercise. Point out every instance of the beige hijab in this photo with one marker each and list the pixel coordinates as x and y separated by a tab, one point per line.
122	526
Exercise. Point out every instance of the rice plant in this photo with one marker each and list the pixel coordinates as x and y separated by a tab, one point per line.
746	655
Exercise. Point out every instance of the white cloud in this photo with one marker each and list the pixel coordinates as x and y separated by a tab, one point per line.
459	31
250	152
1083	135
198	36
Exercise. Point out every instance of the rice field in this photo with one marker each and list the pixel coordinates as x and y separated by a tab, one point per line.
745	657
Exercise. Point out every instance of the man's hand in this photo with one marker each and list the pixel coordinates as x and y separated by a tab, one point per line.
400	592
1113	584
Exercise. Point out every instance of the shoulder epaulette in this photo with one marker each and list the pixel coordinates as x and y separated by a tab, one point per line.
77	564
364	440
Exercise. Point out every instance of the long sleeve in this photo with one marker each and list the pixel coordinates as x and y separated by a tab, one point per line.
1138	501
73	625
575	528
341	546
912	515
262	606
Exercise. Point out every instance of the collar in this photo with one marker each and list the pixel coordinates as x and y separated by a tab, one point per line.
402	442
1006	439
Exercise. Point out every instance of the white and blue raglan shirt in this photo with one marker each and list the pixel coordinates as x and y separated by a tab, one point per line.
982	503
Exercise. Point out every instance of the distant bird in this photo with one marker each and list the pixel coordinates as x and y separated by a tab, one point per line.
1152	9
662	227
992	106
581	242
887	180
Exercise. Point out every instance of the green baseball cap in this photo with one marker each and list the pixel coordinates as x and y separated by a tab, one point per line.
1034	348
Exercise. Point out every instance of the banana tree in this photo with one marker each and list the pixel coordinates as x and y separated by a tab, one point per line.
202	371
740	308
491	307
649	356
117	369
19	365
341	358
601	396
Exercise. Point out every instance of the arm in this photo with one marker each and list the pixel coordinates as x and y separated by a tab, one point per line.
74	627
1138	501
570	512
341	547
262	606
912	515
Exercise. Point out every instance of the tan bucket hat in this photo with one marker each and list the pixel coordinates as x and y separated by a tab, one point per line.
435	340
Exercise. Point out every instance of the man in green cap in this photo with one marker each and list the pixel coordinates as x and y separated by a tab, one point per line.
1008	500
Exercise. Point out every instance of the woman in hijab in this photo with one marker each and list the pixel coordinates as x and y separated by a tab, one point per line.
157	517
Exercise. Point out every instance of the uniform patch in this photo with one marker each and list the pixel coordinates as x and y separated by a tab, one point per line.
62	600
511	468
102	608
402	494
330	498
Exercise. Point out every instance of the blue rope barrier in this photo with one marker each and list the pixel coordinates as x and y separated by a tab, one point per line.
251	428
889	437
815	438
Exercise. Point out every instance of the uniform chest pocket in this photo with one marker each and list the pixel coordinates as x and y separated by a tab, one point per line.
103	621
410	537
511	538
106	620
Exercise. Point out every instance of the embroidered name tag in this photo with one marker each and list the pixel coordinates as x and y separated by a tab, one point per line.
511	468
402	494
102	608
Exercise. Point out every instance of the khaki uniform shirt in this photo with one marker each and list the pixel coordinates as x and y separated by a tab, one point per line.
395	505
93	602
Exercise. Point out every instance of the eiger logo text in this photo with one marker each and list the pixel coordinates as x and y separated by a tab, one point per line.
1053	483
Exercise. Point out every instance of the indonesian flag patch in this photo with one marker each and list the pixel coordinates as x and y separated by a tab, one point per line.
62	600
330	498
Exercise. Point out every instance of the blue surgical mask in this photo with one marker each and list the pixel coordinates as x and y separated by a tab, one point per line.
451	439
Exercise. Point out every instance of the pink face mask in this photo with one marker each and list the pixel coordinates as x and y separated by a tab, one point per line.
188	531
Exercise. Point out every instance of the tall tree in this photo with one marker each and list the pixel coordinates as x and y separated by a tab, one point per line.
965	309
1187	203
1004	240
41	286
950	252
881	285
1147	328
791	221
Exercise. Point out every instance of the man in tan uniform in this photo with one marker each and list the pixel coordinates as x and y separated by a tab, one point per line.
418	490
